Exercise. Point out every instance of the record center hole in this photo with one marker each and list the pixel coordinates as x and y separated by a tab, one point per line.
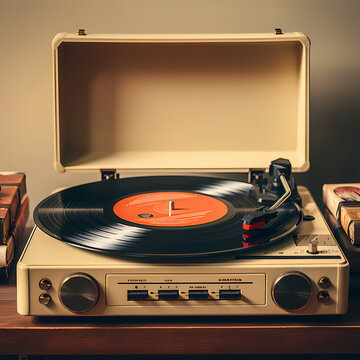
146	215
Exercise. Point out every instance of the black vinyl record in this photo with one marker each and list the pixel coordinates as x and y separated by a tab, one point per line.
84	216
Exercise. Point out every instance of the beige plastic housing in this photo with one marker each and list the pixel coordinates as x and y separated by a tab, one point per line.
181	103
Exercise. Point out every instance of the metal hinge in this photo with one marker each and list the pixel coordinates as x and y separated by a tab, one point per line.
256	177
81	32
109	174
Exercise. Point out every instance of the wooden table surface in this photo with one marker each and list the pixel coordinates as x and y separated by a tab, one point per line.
178	335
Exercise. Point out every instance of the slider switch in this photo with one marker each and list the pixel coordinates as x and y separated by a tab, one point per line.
229	295
138	295
198	294
168	294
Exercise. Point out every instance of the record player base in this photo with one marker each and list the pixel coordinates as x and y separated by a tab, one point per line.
281	279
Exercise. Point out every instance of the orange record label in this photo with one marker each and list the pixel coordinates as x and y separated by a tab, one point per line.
170	209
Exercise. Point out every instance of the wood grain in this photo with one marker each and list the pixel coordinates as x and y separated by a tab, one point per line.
183	335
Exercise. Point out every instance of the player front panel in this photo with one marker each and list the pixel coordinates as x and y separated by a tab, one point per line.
253	291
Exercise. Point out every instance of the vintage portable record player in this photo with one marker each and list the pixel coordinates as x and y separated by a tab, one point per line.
172	244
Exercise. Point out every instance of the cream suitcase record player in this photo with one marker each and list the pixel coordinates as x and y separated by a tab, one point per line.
176	244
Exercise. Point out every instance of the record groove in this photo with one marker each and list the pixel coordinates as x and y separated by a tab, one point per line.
83	216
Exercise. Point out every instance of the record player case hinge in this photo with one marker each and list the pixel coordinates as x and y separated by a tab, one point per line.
256	176
109	174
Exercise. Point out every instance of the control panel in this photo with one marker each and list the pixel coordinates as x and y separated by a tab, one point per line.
157	290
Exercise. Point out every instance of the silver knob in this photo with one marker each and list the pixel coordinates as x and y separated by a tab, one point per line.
323	296
44	299
292	291
79	292
44	284
324	282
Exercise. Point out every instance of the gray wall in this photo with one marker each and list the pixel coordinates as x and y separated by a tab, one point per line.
27	28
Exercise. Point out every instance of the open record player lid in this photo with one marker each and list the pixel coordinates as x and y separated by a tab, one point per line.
181	103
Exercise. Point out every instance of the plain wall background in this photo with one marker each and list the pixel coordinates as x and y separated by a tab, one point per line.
27	28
